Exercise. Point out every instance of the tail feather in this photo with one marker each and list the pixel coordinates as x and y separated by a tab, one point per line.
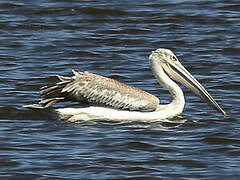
48	102
53	94
44	92
64	79
34	106
52	91
57	92
77	72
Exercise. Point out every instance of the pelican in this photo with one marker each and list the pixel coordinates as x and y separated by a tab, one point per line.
109	99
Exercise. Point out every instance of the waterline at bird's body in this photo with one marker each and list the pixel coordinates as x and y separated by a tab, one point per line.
103	113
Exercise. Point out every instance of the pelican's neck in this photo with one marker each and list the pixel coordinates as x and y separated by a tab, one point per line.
163	79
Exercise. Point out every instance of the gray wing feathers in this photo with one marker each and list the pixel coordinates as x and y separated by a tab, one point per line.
92	88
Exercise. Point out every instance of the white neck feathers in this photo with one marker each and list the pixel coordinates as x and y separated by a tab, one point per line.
163	79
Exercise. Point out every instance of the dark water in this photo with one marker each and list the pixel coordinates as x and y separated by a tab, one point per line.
39	39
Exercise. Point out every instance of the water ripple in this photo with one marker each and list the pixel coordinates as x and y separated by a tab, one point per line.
40	39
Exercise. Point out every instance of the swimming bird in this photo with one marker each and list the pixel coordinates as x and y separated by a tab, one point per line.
110	99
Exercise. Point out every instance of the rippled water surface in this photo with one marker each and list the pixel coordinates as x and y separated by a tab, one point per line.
39	39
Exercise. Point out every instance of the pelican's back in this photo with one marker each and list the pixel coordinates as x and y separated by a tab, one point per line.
99	90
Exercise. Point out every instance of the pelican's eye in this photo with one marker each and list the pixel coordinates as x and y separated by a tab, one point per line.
174	58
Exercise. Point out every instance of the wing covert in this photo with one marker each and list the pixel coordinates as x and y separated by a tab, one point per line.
95	89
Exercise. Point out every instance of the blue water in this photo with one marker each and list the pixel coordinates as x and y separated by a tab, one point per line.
39	39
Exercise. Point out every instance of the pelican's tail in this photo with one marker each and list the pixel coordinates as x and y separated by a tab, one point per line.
54	94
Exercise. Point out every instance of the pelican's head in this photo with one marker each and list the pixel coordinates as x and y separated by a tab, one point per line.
175	70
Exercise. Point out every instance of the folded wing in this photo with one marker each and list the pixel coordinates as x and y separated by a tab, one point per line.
99	90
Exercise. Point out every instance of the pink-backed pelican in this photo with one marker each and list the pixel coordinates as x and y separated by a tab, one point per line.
110	99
